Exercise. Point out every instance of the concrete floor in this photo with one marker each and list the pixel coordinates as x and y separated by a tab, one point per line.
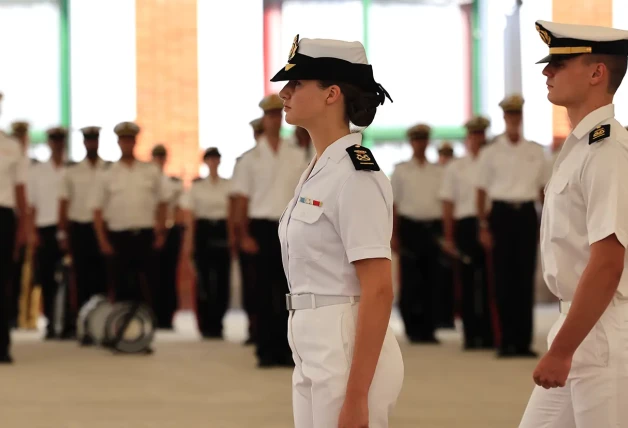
189	383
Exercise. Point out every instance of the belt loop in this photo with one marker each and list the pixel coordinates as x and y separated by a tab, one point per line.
313	296
352	300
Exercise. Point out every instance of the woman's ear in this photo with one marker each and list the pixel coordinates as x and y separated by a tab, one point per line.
334	94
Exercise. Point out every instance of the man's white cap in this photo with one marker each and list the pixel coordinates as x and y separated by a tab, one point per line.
570	39
333	60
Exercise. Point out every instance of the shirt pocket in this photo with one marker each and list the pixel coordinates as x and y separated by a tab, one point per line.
304	232
559	206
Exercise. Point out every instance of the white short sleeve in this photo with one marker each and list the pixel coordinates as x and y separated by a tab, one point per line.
365	216
448	185
185	200
395	181
241	179
483	176
605	189
64	186
21	171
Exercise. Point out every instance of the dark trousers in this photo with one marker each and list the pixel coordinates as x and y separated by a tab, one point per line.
15	287
49	258
89	264
133	266
477	303
515	233
169	263
7	242
213	265
271	289
421	274
247	273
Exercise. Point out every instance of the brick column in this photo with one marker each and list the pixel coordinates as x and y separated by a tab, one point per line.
167	95
587	12
167	82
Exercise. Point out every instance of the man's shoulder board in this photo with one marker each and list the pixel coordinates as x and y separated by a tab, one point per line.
600	133
362	158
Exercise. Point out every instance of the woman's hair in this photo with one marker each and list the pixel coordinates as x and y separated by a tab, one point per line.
360	105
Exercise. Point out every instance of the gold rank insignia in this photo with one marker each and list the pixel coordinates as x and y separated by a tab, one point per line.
293	49
600	133
544	35
362	158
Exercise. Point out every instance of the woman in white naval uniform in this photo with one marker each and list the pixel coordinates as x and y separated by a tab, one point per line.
335	240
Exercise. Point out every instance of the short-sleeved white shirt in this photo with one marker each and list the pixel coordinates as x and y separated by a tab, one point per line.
268	178
77	186
44	182
338	215
459	186
13	169
416	188
207	199
129	195
512	172
586	201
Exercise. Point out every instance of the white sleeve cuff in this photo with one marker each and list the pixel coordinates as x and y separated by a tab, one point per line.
599	234
362	253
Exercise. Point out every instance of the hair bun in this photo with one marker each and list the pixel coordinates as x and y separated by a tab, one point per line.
362	109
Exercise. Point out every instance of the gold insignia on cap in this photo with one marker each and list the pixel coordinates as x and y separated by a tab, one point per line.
293	49
288	67
544	35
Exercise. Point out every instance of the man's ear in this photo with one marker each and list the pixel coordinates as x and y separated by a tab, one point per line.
599	73
334	94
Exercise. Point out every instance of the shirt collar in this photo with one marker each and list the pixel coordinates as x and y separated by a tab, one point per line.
338	149
593	119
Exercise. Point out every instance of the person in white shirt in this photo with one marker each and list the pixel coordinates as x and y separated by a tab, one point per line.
207	203
133	196
445	153
171	252
43	194
266	179
12	225
460	225
246	260
417	228
19	131
335	241
76	221
512	174
582	381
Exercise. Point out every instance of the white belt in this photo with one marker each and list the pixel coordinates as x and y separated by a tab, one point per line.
312	301
564	306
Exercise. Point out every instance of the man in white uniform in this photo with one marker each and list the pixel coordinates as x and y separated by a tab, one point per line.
417	228
512	175
76	220
12	224
169	255
267	176
583	379
43	194
132	195
460	225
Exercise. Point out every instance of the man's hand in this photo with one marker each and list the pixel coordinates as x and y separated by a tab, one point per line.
106	248
160	240
249	245
354	413
34	239
553	370
486	239
449	247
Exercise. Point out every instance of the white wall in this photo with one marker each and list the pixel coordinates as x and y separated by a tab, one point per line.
103	71
230	75
30	72
620	20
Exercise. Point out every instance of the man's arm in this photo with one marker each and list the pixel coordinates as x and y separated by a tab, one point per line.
20	200
596	289
101	233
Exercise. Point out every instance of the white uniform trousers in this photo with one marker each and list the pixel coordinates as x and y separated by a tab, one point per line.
322	341
596	392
